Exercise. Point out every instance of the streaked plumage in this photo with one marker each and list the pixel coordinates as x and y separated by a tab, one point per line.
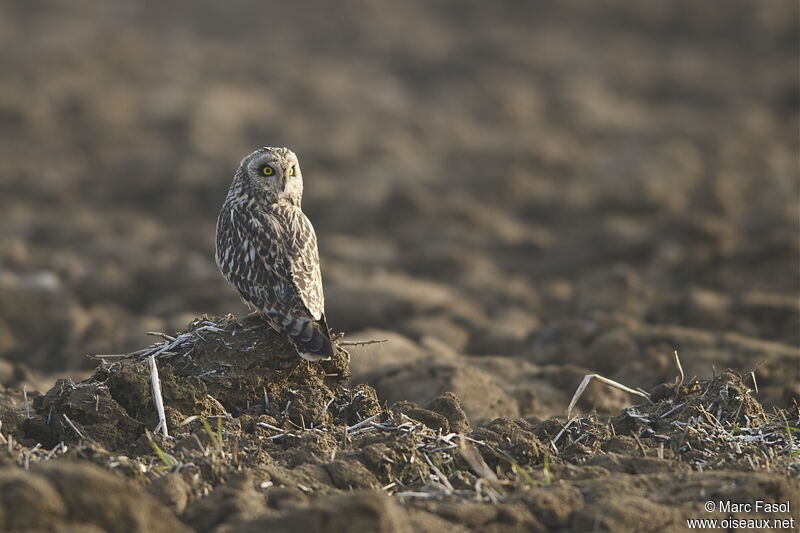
267	249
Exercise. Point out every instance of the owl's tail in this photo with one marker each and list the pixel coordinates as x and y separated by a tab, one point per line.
311	338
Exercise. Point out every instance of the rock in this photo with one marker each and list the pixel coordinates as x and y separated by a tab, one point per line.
28	501
609	349
309	448
438	327
482	397
93	495
373	359
423	522
707	309
383	299
769	315
470	514
7	371
351	475
7	338
554	505
561	341
531	386
624	513
285	498
618	289
234	502
515	438
449	406
504	334
45	318
485	517
172	490
358	511
430	418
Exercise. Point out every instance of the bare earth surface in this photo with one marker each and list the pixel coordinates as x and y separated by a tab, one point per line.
515	195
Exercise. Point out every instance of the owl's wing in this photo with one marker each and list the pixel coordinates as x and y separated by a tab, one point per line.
302	247
280	261
252	255
271	258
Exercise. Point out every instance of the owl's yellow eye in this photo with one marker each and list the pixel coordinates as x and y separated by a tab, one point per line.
267	170
291	171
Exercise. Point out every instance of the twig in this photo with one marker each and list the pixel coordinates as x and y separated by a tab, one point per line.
476	462
641	446
415	494
157	399
753	376
73	426
360	343
324	409
611	383
270	426
362	423
568	424
442	478
25	396
676	408
162	335
680	369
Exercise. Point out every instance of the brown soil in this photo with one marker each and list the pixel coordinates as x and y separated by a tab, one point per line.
514	195
261	440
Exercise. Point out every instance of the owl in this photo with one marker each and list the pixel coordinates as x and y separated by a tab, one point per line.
267	249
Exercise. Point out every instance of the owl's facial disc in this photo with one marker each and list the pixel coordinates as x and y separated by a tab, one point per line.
276	170
267	174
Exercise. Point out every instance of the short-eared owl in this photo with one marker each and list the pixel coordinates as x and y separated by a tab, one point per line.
267	249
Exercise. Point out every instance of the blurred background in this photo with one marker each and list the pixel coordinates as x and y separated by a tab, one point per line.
514	193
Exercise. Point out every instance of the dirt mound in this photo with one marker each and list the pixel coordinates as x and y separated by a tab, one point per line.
212	368
261	439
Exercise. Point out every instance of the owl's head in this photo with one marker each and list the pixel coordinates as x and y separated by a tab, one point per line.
273	172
